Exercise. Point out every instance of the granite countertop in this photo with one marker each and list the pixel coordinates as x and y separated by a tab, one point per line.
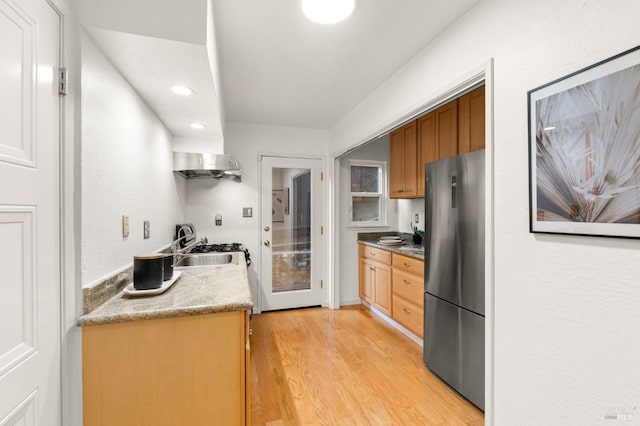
199	290
408	249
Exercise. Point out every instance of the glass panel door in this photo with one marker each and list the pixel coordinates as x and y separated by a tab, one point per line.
291	193
291	241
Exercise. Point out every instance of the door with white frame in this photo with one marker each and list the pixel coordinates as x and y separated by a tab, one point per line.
291	221
29	214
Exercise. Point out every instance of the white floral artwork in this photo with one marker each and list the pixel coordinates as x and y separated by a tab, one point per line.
585	151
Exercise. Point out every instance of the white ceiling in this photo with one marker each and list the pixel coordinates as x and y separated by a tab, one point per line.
277	67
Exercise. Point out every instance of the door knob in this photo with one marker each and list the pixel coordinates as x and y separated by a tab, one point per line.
267	243
267	229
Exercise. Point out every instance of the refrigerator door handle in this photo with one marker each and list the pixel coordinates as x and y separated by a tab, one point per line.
453	192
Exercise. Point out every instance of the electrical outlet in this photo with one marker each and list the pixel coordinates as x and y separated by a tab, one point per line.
147	229
417	218
125	226
219	219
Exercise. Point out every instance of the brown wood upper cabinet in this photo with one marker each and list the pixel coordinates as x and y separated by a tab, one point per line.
456	127
471	121
403	159
437	137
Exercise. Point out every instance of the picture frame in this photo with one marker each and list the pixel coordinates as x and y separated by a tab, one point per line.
277	205
584	151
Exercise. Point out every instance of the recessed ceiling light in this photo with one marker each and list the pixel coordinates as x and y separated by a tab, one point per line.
328	11
182	90
197	126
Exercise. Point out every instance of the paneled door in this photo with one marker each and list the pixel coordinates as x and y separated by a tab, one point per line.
29	214
291	220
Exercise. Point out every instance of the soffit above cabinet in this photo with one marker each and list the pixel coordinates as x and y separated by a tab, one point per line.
172	45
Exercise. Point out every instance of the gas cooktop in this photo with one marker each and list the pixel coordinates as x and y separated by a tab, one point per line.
186	235
207	248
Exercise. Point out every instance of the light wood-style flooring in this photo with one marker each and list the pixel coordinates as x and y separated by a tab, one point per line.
344	367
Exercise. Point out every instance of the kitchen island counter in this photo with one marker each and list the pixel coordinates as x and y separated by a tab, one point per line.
199	290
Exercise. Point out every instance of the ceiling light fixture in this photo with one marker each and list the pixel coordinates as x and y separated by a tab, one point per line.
328	11
182	90
197	126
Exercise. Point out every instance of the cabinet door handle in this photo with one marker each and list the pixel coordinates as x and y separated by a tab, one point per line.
400	190
406	311
407	282
371	268
406	265
372	253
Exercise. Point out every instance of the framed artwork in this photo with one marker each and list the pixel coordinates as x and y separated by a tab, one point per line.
584	151
277	205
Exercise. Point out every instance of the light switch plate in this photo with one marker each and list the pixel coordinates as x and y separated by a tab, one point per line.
247	212
147	229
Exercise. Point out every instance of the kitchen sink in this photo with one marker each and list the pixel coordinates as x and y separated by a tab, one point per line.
206	259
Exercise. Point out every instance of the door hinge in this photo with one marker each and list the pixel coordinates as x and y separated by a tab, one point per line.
63	81
322	230
321	284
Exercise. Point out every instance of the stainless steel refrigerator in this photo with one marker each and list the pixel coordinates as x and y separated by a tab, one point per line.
454	273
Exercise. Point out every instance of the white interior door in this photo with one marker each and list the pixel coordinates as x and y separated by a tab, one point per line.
291	221
29	214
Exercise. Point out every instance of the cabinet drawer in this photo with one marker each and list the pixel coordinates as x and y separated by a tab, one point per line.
376	254
408	314
408	286
409	264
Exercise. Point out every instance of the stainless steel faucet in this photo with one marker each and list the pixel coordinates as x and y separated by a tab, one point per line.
175	246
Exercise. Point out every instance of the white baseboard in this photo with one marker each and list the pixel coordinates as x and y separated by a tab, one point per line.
350	302
395	324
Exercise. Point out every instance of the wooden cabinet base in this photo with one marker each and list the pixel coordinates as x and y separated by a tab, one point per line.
409	315
188	370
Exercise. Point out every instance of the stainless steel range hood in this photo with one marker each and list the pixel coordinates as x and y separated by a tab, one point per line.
194	165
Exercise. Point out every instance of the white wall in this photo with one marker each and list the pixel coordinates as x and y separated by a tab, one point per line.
566	307
126	170
377	150
407	210
203	146
206	197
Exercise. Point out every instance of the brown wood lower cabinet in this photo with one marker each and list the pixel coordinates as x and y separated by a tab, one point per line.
408	314
408	292
375	277
190	370
394	284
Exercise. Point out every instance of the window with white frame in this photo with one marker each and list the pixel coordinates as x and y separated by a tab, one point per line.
368	192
